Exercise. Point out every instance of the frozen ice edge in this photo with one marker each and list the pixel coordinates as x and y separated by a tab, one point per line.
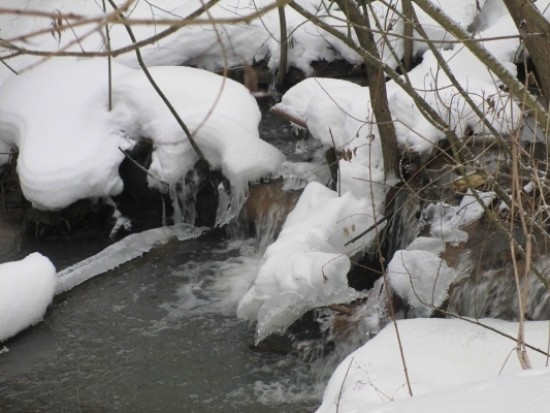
129	248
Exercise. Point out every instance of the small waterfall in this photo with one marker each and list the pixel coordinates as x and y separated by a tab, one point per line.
492	293
264	212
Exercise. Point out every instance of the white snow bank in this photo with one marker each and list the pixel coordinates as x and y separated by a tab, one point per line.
69	142
130	247
203	45
57	116
307	266
26	290
337	112
221	114
526	391
440	354
497	107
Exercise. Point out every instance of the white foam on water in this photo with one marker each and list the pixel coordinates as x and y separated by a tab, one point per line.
209	287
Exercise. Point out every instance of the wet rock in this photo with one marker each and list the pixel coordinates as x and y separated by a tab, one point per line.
143	205
266	208
82	219
340	69
486	283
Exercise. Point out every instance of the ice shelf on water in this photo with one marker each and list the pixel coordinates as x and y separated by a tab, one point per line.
130	247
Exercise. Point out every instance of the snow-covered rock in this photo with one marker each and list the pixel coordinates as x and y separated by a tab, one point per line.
307	266
56	115
27	288
221	114
70	143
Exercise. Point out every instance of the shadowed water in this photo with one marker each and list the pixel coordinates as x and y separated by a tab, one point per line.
157	335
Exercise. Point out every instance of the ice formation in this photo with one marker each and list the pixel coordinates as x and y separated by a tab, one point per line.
130	247
26	290
447	221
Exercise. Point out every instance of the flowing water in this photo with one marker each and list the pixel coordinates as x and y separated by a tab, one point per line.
158	334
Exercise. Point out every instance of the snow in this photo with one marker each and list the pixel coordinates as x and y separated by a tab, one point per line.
26	290
337	114
446	220
215	46
204	45
80	136
67	148
221	114
441	355
71	149
417	274
518	392
306	266
421	279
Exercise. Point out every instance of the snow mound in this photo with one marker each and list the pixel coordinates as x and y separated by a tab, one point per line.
421	279
525	391
57	117
337	114
307	266
440	354
417	274
221	115
213	47
26	290
70	143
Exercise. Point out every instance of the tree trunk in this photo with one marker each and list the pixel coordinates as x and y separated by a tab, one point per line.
408	32
377	87
535	32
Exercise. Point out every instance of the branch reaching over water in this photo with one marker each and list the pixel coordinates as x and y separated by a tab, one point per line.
168	104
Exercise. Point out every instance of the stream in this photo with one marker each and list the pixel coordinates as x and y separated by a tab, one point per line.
158	334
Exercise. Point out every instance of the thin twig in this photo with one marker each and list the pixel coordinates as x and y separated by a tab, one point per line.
164	183
109	62
168	104
342	386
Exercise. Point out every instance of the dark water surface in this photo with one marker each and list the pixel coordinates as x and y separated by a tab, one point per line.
158	334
